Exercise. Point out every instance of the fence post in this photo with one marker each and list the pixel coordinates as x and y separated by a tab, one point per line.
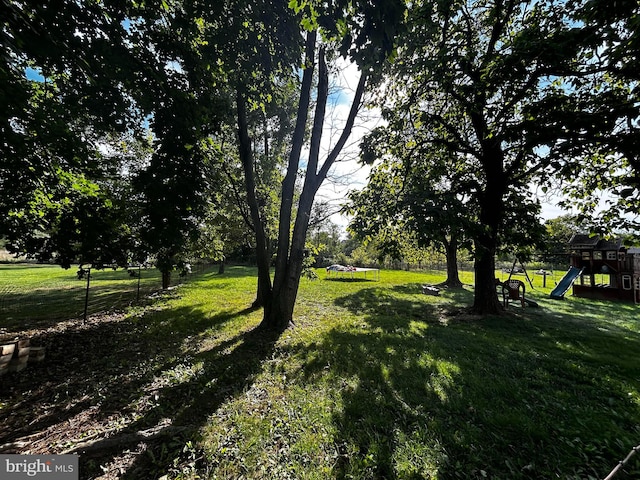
86	297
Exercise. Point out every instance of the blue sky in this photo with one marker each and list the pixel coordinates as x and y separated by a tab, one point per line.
33	74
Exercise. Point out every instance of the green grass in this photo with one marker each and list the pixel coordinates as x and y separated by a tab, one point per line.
38	295
379	381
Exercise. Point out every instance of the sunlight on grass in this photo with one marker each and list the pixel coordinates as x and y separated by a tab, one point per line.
44	294
444	380
371	384
378	380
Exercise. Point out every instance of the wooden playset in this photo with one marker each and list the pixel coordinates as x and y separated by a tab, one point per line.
608	269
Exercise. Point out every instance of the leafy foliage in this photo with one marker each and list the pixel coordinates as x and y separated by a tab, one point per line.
72	79
613	173
502	87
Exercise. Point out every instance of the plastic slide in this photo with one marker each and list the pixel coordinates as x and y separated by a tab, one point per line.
565	283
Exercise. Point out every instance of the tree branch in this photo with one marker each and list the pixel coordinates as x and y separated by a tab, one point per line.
355	106
288	185
238	198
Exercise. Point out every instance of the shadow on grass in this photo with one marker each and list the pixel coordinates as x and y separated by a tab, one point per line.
537	396
459	296
42	308
128	394
531	397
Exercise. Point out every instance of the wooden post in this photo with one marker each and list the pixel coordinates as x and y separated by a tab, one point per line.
86	297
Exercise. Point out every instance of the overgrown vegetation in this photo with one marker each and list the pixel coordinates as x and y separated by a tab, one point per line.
377	380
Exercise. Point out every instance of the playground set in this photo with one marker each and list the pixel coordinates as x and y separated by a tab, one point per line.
601	269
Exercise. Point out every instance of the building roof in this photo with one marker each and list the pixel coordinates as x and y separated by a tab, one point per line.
587	241
584	240
613	244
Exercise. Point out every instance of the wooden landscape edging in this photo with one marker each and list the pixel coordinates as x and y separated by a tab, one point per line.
15	355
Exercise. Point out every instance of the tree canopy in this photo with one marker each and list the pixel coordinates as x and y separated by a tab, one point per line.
481	99
613	173
501	85
77	80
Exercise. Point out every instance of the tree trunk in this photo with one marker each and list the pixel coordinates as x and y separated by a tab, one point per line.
279	316
486	242
451	251
491	203
485	300
289	182
262	242
278	299
287	276
285	292
221	267
166	279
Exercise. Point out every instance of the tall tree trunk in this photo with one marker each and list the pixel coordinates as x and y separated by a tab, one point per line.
451	252
290	258
277	299
491	203
262	242
486	242
287	276
289	182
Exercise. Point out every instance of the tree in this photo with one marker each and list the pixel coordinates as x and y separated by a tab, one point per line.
228	225
174	189
491	81
412	196
51	124
178	65
559	231
279	298
614	174
399	205
75	79
103	70
82	220
177	185
368	32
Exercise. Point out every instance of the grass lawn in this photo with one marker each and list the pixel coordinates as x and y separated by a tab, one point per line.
376	381
39	295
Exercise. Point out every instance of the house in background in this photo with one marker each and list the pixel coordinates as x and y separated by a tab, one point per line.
610	271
